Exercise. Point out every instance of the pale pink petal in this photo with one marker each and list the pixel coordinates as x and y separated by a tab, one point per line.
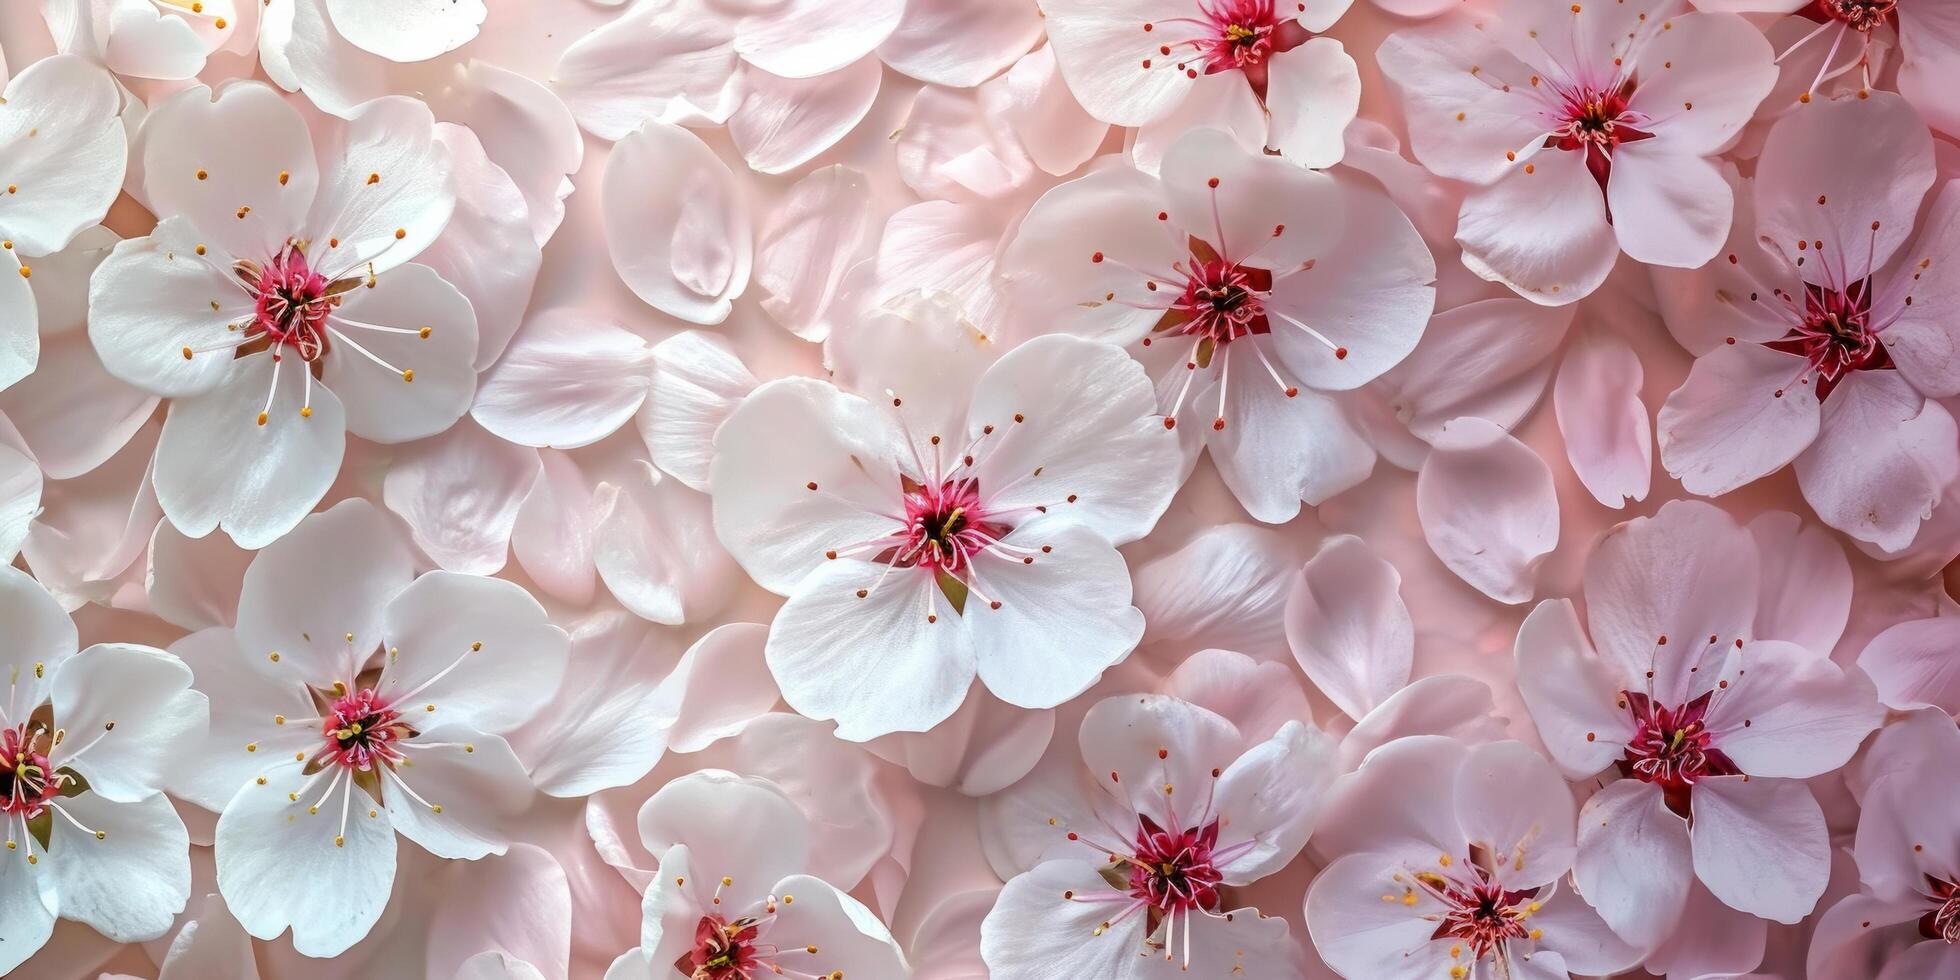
302	52
1930	38
1806	583
20	344
1488	508
518	905
459	492
574	746
1737	418
1686	576
1031	907
414	30
812	238
66	178
1634	863
459	764
1572	695
1911	663
1283	446
1785	711
1461	124
1511	801
1760	845
1541	229
656	550
1105	55
1925	341
193	583
1257	697
1050	264
1053	128
1154	740
1221	102
569	379
332	576
387	189
1362	936
552	536
1669	207
1700	80
940	246
527	132
1824	150
71	410
951	149
1277	789
697	381
487	250
783	123
1712	940
1490	359
200	131
1348	627
677	223
1370	811
1453	705
805	38
1608	438
144	42
1314	91
961	43
1227	587
668	62
1050	628
438	370
1882	460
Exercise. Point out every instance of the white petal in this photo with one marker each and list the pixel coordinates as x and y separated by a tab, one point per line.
784	123
386	191
416	30
1512	802
1061	621
1608	439
41	637
1088	425
487	251
527	132
1275	792
145	43
241	137
1319	90
244	735
1360	935
1034	933
333	575
152	299
1488	508
1760	845
656	550
1053	128
25	896
301	51
669	62
578	744
739	827
677	223
20	344
71	172
552	538
460	492
126	707
1100	49
386	406
20	499
568	379
71	410
1542	232
698	380
193	583
1281	447
1785	711
876	664
1883	457
849	938
480	649
128	883
1348	627
477	781
275	859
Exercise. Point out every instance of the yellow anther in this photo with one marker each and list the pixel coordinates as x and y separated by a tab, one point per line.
262	418
408	375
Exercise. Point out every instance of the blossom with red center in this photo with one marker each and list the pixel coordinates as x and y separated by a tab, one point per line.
1171	65
1451	860
1846	39
86	833
735	897
355	701
1253	292
1903	919
1712	719
1583	128
1823	333
1135	866
275	302
955	518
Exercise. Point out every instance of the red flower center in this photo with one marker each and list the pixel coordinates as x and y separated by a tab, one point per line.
1943	921
29	781
723	950
1859	15
1837	334
361	730
1594	121
293	302
1223	301
1482	914
1671	747
1174	870
1226	35
945	526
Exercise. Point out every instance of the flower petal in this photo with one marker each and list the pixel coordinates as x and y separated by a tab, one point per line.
1760	845
1634	863
1608	440
1488	508
332	576
460	492
1348	627
568	379
678	224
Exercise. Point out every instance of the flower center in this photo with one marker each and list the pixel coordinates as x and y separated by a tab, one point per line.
1859	15
1173	870
1481	913
945	526
1226	35
1836	334
1223	301
723	950
1943	922
293	302
29	781
1594	121
1672	747
361	730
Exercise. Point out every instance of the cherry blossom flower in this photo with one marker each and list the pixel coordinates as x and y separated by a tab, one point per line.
1587	130
150	39
1133	870
733	897
65	155
1822	337
1904	920
1452	860
1849	32
1308	284
275	306
88	739
1709	725
953	518
1136	62
355	701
